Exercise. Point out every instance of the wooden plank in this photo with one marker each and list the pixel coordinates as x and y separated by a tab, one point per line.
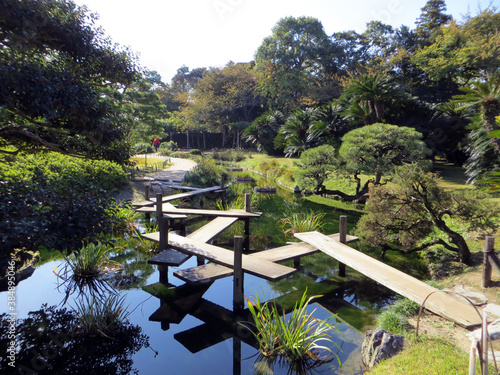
213	271
212	229
204	273
258	267
169	198
218	213
409	287
169	257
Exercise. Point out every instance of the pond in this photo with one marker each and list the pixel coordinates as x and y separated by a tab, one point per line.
156	342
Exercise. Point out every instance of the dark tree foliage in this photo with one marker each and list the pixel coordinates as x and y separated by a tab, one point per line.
53	67
51	342
415	213
432	17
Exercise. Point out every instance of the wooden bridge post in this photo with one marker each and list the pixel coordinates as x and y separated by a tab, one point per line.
159	206
147	197
222	182
342	239
248	208
163	225
238	274
489	247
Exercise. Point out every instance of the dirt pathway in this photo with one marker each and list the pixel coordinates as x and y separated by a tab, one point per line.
134	190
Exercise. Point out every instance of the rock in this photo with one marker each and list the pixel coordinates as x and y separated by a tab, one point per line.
307	192
492	310
379	345
477	299
296	189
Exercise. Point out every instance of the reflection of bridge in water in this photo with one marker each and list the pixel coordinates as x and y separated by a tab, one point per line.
221	323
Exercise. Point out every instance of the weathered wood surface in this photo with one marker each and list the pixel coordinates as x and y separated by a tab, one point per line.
441	303
170	210
258	267
212	229
169	198
212	271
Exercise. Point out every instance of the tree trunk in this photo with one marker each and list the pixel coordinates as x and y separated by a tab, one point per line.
344	196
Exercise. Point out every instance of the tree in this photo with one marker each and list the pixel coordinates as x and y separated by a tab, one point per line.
376	150
56	72
432	17
264	131
295	131
415	213
377	90
463	52
328	126
226	96
316	164
294	62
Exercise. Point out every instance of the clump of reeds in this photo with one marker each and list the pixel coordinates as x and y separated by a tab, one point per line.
90	260
296	340
298	222
101	315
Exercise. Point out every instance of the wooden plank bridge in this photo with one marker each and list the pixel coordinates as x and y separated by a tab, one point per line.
445	305
265	264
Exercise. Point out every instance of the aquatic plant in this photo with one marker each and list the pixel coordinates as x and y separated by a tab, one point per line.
298	222
295	340
91	260
101	315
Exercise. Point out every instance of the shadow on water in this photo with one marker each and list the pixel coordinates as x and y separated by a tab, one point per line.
194	328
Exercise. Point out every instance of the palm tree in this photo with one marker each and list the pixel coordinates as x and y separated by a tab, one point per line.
329	125
295	130
377	90
486	97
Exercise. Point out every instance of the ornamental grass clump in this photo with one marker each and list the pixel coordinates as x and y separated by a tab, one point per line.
296	340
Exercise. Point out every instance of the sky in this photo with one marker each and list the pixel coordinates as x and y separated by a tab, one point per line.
167	34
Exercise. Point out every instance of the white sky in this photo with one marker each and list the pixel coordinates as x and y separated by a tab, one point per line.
167	34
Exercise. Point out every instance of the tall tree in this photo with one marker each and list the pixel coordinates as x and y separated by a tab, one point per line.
294	62
56	72
296	129
430	20
226	96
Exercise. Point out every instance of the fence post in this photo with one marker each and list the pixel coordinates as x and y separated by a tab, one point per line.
238	274
489	247
246	241
342	239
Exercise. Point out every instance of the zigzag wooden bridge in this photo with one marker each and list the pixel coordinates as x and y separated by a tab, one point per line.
223	263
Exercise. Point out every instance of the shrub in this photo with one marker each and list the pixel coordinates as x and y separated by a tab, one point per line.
194	151
394	318
142	148
206	173
229	155
55	201
90	260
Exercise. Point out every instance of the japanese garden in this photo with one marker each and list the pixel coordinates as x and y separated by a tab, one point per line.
262	217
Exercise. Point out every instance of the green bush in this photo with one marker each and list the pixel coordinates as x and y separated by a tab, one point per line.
56	201
229	155
394	318
206	173
142	148
194	151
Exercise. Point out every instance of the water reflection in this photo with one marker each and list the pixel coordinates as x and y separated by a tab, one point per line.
50	341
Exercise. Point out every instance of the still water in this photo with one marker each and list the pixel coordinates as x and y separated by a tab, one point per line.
191	343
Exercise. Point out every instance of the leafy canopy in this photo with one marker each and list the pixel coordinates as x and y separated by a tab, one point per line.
57	72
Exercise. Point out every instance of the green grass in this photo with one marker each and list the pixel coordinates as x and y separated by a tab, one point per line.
426	356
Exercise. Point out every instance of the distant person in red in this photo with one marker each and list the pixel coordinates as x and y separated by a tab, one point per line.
156	144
